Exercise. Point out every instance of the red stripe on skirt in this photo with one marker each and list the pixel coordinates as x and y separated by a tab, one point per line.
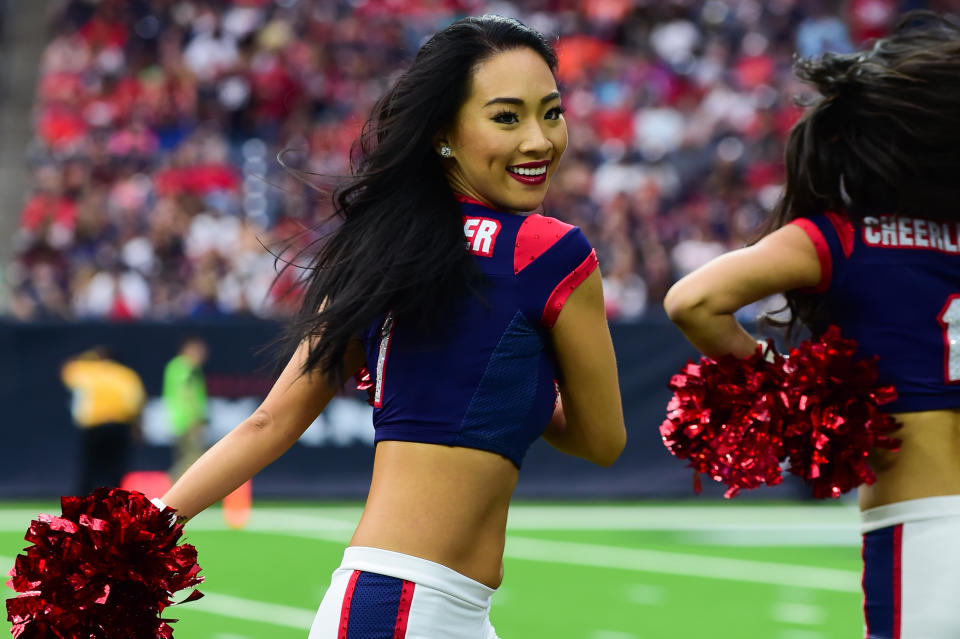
345	610
897	565
403	611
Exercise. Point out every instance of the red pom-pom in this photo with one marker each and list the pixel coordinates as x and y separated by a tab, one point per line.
105	568
738	420
724	417
836	418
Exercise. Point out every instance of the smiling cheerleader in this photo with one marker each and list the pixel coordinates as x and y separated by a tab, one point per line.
467	311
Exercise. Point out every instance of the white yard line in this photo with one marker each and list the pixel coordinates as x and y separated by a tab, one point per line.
744	527
659	561
251	610
794	633
828	517
712	516
688	565
798	613
645	594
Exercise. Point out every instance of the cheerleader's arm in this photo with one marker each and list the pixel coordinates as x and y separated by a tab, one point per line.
291	406
702	304
588	419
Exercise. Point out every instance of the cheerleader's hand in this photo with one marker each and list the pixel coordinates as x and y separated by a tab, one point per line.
768	351
174	518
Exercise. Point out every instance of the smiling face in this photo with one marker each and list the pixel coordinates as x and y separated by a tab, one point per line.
509	134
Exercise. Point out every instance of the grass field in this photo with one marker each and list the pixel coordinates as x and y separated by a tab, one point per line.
637	571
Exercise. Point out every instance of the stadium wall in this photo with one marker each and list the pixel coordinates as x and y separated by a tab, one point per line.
333	458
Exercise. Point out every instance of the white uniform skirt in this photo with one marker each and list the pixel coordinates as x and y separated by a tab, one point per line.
911	569
379	594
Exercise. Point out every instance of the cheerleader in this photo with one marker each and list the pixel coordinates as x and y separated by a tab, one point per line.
468	312
865	236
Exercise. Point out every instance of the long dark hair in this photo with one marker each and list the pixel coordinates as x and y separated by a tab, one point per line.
400	245
883	138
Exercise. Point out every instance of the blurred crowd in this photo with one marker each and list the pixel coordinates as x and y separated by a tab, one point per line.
156	193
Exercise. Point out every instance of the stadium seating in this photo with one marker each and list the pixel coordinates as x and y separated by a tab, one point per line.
154	179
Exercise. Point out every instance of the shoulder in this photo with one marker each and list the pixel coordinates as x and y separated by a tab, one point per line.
70	370
829	231
551	259
121	371
830	236
539	234
130	373
175	372
176	364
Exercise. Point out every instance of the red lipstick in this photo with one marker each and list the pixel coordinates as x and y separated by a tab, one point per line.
529	179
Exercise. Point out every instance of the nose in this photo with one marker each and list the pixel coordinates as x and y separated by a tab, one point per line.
534	141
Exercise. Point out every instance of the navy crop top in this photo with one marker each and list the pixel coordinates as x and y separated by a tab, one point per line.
488	381
892	283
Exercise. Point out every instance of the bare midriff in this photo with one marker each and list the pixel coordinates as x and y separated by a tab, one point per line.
441	503
927	464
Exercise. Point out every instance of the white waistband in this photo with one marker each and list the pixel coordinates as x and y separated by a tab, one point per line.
420	571
903	512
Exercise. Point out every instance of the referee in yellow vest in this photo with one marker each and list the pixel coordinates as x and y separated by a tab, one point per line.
108	399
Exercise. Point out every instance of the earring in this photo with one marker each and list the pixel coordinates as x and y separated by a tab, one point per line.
445	151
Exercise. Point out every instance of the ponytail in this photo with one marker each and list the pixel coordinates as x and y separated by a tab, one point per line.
882	138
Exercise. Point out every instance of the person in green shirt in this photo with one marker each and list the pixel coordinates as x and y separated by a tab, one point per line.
185	398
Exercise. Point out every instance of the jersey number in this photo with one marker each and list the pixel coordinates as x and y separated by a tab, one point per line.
949	319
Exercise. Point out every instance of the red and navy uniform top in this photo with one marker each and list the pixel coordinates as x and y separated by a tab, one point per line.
892	283
487	380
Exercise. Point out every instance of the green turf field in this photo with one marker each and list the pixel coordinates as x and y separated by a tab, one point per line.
640	571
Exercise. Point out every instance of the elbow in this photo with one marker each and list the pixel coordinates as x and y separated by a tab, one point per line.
608	454
269	432
260	421
677	303
683	305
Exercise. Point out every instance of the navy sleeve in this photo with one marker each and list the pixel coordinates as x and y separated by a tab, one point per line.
551	259
832	236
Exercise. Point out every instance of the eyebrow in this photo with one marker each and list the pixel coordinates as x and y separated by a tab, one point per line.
519	102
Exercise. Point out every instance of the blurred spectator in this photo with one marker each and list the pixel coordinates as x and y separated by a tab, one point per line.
107	400
185	399
157	123
821	32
